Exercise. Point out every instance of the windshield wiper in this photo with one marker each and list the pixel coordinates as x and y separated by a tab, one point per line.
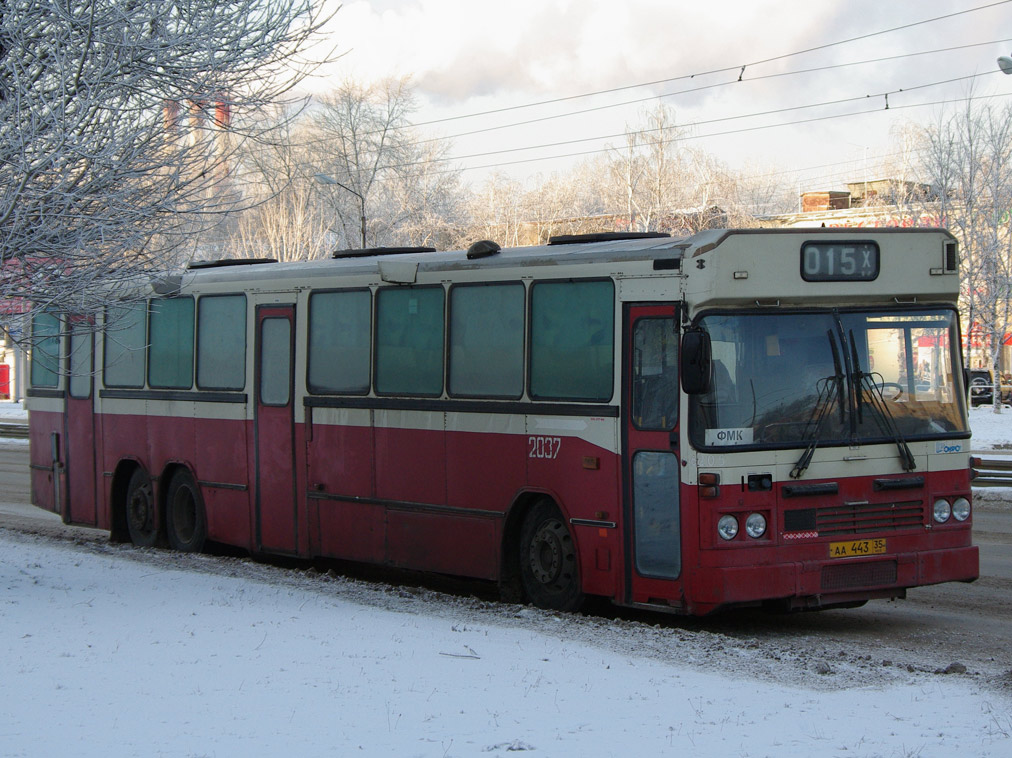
830	388
883	418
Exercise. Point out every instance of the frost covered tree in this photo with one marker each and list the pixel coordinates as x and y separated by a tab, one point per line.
968	159
359	131
646	176
118	124
284	215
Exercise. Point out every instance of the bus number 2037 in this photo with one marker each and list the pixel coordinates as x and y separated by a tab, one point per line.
543	447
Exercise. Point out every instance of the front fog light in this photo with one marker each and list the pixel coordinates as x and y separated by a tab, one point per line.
727	527
755	526
961	509
942	511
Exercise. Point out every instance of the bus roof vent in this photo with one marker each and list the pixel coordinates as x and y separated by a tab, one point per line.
483	249
368	252
577	239
222	262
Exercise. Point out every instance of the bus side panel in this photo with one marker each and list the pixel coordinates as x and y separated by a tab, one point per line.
348	530
43	426
410	457
124	436
339	461
449	544
171	439
584	479
485	471
340	454
220	467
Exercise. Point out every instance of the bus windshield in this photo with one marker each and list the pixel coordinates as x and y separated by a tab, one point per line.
832	377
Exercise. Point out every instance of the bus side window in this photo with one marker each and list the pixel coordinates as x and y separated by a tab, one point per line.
221	342
45	350
125	336
572	340
409	341
487	341
170	354
340	347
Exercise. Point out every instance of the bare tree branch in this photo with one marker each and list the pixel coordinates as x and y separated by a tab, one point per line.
118	132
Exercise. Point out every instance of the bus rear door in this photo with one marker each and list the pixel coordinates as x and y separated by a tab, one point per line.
651	457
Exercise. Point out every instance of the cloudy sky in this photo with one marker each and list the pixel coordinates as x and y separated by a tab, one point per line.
538	58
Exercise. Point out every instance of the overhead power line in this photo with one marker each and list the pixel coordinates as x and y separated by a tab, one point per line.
741	67
700	88
704	122
743	130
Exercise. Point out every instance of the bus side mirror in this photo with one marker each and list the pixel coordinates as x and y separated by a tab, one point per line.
695	362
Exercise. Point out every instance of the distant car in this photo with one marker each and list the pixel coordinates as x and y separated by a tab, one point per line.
981	387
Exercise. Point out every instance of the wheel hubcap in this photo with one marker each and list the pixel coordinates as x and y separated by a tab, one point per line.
547	553
139	509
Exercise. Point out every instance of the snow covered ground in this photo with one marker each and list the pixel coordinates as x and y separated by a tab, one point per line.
113	651
13	411
991	430
109	650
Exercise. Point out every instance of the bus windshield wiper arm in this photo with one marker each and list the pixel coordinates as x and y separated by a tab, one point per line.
886	421
830	389
856	379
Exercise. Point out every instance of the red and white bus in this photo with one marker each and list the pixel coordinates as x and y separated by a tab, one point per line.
762	417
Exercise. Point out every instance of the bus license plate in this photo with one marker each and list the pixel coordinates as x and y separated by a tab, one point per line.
856	548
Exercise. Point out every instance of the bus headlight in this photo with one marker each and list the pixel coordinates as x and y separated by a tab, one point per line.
727	527
942	511
755	526
961	509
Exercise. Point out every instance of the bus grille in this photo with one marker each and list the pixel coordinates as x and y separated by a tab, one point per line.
842	576
857	518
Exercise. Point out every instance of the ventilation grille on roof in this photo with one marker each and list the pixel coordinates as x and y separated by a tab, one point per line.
221	263
369	252
577	239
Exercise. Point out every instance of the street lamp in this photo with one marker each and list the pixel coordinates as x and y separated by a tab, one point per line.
326	179
1005	64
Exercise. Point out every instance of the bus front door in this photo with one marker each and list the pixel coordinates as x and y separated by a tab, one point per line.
274	431
80	507
651	458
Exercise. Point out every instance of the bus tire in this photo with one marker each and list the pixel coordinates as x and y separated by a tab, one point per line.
185	520
549	569
141	517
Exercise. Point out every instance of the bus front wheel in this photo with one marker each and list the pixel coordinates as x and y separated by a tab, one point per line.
185	522
549	568
142	522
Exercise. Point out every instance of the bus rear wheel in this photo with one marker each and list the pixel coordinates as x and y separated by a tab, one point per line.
142	522
549	569
185	522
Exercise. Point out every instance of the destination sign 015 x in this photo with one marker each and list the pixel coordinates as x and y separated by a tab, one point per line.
839	261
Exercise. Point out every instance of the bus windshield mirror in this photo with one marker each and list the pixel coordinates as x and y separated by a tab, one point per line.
696	362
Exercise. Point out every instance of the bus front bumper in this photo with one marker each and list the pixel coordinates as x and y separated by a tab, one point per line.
817	584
